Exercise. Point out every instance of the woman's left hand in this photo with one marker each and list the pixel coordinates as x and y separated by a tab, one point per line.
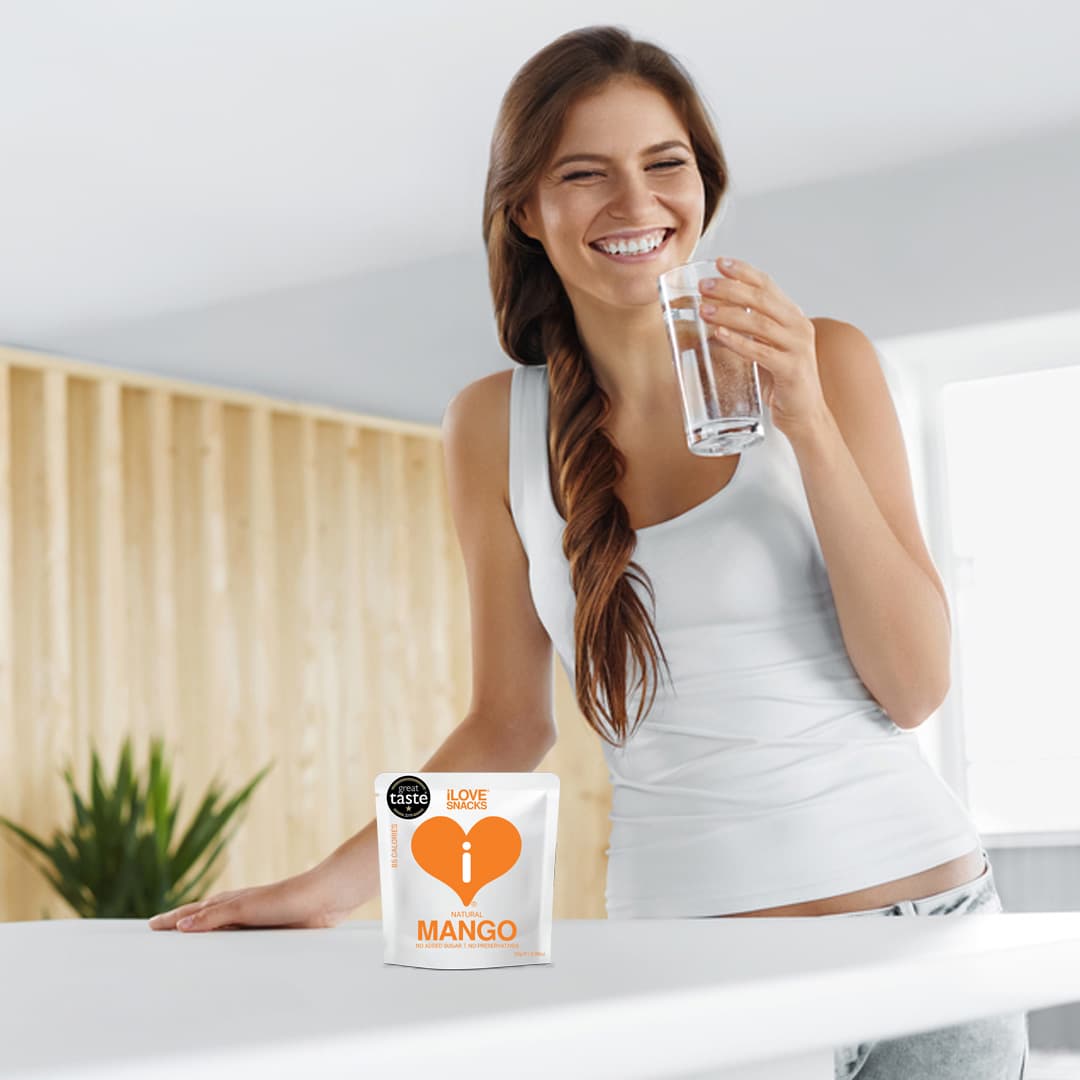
766	326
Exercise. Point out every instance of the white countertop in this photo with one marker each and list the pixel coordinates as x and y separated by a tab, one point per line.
629	998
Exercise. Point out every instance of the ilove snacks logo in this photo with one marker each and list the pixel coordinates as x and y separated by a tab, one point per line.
466	861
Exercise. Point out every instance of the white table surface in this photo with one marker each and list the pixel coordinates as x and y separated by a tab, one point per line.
751	998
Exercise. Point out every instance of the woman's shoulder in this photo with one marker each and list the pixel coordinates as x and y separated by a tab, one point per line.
485	402
479	415
482	403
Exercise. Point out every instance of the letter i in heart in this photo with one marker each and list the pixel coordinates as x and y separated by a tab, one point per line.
466	861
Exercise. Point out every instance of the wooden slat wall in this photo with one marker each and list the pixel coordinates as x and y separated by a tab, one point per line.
252	579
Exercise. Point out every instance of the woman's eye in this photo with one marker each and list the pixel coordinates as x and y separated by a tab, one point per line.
658	165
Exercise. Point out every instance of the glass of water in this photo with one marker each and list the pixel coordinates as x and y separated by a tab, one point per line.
720	392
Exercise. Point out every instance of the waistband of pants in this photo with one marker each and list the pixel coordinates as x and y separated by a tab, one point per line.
925	904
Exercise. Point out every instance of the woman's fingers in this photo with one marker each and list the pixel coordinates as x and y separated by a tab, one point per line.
213	916
297	902
167	920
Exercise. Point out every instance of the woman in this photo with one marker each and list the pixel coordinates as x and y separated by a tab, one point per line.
788	582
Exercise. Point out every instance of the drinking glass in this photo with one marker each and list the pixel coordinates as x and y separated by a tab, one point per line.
720	392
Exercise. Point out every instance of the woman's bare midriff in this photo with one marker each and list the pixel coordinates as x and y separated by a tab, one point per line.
948	875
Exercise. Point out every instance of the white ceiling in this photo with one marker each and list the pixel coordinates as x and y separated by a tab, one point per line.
177	153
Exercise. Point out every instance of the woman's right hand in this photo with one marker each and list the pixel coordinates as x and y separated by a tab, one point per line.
299	902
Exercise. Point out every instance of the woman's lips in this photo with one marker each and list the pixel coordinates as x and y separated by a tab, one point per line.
649	256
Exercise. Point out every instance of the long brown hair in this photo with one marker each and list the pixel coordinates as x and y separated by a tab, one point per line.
536	325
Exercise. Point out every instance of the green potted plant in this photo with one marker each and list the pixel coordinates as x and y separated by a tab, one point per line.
117	859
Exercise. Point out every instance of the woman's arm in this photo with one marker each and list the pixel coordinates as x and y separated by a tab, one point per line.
890	601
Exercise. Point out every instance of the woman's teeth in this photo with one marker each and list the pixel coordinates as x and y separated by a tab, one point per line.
641	246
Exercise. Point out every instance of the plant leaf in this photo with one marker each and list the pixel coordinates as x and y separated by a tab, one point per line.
113	859
213	821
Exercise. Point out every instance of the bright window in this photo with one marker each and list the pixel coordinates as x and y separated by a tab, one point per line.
1012	449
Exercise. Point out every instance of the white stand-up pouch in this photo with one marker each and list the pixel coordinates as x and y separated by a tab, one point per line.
466	867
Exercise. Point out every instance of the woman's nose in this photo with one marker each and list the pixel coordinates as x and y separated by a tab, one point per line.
631	197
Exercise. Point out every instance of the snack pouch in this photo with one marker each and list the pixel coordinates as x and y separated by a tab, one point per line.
466	867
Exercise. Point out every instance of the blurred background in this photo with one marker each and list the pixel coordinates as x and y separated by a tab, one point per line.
243	275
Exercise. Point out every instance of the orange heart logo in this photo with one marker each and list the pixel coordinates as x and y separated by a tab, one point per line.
466	861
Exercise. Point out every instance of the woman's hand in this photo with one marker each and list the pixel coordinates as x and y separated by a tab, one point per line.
755	319
299	902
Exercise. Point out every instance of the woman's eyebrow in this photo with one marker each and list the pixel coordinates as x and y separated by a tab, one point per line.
655	149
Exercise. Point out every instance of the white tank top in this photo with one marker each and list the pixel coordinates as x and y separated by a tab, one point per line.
767	774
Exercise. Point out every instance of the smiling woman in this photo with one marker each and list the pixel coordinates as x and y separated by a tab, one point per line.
625	108
738	790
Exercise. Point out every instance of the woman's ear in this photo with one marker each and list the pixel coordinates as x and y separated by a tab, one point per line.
520	218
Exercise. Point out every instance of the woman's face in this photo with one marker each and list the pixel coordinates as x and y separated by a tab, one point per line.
630	186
